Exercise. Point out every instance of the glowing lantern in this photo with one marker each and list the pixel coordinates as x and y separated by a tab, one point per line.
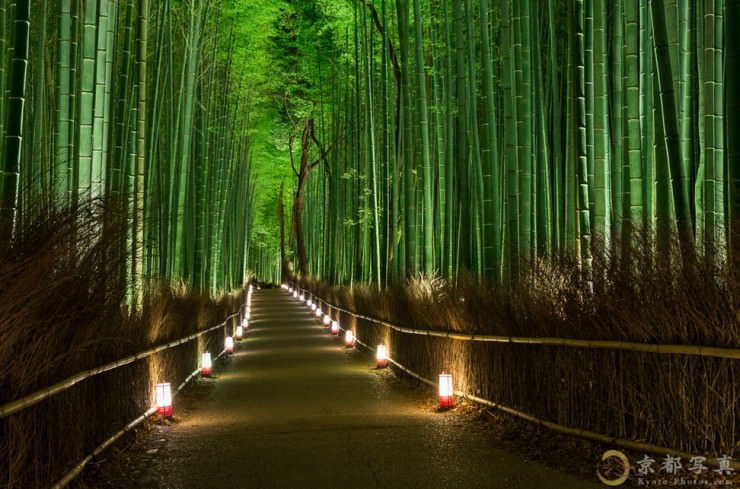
309	302
381	356
229	344
164	399
313	307
334	328
239	333
446	394
318	313
245	323
327	320
247	315
349	338
295	294
206	366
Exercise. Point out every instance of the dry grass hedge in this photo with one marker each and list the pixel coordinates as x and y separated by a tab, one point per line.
683	402
62	310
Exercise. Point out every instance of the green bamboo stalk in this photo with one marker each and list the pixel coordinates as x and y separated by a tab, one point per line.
421	96
616	87
631	165
14	127
182	256
584	235
100	100
84	167
38	174
475	165
732	125
63	134
677	166
713	191
137	251
601	147
3	76
491	173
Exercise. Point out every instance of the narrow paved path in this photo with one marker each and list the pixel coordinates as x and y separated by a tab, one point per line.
293	409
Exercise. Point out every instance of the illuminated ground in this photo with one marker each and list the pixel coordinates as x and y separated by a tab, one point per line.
294	409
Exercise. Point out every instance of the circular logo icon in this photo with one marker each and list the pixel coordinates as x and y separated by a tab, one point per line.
614	469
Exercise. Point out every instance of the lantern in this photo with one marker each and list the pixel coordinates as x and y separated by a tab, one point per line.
309	302
446	394
164	399
239	333
245	323
327	320
206	366
295	294
349	338
318	313
248	315
334	328
381	356
313	307
229	344
302	297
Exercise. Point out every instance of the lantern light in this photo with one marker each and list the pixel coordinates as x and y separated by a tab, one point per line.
318	313
446	394
245	323
313	307
327	320
381	356
302	297
239	333
164	399
349	338
334	328
295	294
309	302
206	366
248	315
229	344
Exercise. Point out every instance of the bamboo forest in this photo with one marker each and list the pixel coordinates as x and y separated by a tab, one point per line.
565	172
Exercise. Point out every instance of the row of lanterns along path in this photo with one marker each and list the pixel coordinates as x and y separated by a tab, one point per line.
163	392
446	392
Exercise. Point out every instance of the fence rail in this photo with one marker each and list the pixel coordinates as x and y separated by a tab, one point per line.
591	344
47	392
672	349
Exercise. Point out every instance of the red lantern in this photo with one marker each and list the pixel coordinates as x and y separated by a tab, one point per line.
229	344
446	393
349	338
239	333
334	328
206	366
381	356
164	399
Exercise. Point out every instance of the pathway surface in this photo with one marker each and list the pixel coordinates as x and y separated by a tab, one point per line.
293	409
